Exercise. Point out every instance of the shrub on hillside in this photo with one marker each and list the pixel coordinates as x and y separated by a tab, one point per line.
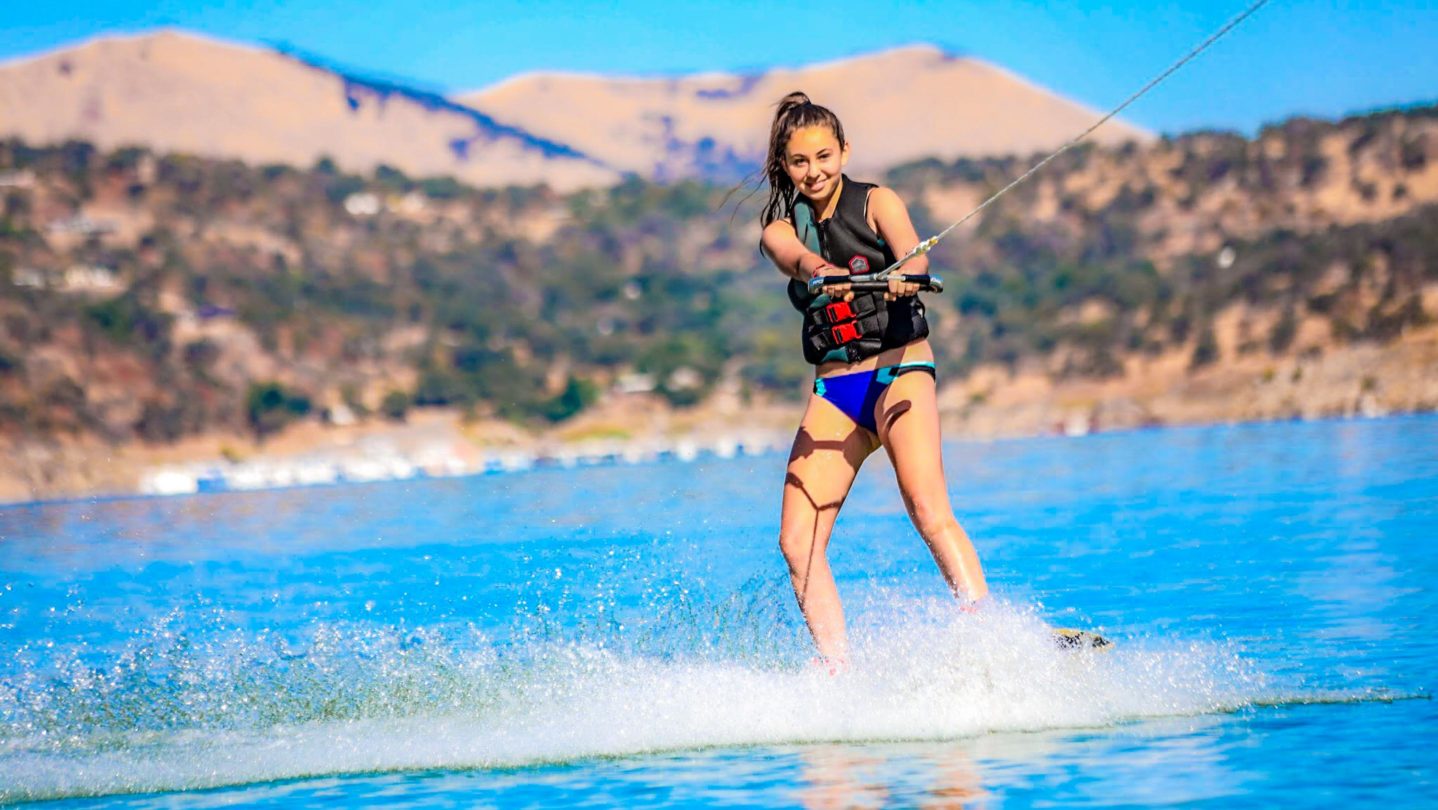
270	406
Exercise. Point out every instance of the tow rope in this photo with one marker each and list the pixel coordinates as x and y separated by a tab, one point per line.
928	244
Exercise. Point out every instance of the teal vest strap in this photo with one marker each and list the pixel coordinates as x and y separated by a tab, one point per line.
805	227
807	230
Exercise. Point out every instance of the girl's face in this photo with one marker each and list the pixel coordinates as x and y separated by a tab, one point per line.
814	159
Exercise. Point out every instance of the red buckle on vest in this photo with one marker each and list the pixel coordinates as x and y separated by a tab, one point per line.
839	311
844	332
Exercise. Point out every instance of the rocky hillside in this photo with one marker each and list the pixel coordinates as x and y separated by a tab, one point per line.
1208	277
1309	220
146	298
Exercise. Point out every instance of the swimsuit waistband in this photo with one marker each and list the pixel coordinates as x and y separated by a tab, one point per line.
889	371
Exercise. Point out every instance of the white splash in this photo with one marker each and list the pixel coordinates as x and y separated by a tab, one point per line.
930	676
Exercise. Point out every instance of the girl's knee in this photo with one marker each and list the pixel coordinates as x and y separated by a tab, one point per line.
797	547
931	516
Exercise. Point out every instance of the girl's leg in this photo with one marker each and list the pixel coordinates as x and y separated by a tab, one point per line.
827	453
908	418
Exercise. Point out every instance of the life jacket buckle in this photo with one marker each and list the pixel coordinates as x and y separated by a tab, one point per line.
845	332
839	311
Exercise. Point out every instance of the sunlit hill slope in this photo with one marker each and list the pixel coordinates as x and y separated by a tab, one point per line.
173	91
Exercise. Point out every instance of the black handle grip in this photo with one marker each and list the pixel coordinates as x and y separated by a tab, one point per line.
928	282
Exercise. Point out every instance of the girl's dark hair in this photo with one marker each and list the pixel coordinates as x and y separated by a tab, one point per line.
795	111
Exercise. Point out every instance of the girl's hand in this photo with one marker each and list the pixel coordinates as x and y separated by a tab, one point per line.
898	287
835	291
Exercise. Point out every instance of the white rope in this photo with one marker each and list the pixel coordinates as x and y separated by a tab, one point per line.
928	244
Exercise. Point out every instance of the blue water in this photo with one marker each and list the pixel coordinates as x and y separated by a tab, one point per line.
626	636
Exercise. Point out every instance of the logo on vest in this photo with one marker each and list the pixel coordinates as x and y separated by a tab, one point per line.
858	266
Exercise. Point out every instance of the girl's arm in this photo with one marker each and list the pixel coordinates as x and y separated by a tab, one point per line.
891	221
791	256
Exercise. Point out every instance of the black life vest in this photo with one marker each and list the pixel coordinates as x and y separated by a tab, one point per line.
851	330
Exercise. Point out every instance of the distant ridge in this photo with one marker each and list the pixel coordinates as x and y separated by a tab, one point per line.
175	91
357	84
897	106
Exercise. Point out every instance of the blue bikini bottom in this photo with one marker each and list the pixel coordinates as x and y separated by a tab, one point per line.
856	394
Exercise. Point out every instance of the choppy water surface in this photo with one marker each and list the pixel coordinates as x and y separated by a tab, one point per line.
626	636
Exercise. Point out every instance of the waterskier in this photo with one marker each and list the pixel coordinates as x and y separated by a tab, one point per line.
874	380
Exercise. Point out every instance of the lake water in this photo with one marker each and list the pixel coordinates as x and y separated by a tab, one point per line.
626	636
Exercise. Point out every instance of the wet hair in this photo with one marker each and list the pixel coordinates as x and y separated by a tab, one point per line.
795	111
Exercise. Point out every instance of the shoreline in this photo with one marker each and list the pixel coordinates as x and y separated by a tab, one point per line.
1352	381
634	453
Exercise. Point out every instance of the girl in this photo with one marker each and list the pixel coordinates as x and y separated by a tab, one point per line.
874	379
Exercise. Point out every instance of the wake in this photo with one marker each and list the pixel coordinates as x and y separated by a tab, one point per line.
230	708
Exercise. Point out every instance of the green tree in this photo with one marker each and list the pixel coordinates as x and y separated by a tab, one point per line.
269	407
395	406
577	395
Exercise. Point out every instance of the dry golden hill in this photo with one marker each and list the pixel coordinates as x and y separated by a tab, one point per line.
174	91
897	106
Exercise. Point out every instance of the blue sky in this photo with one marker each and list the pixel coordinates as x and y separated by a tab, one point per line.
1293	57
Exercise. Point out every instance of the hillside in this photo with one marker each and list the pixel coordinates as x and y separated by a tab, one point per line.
176	92
714	125
149	299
